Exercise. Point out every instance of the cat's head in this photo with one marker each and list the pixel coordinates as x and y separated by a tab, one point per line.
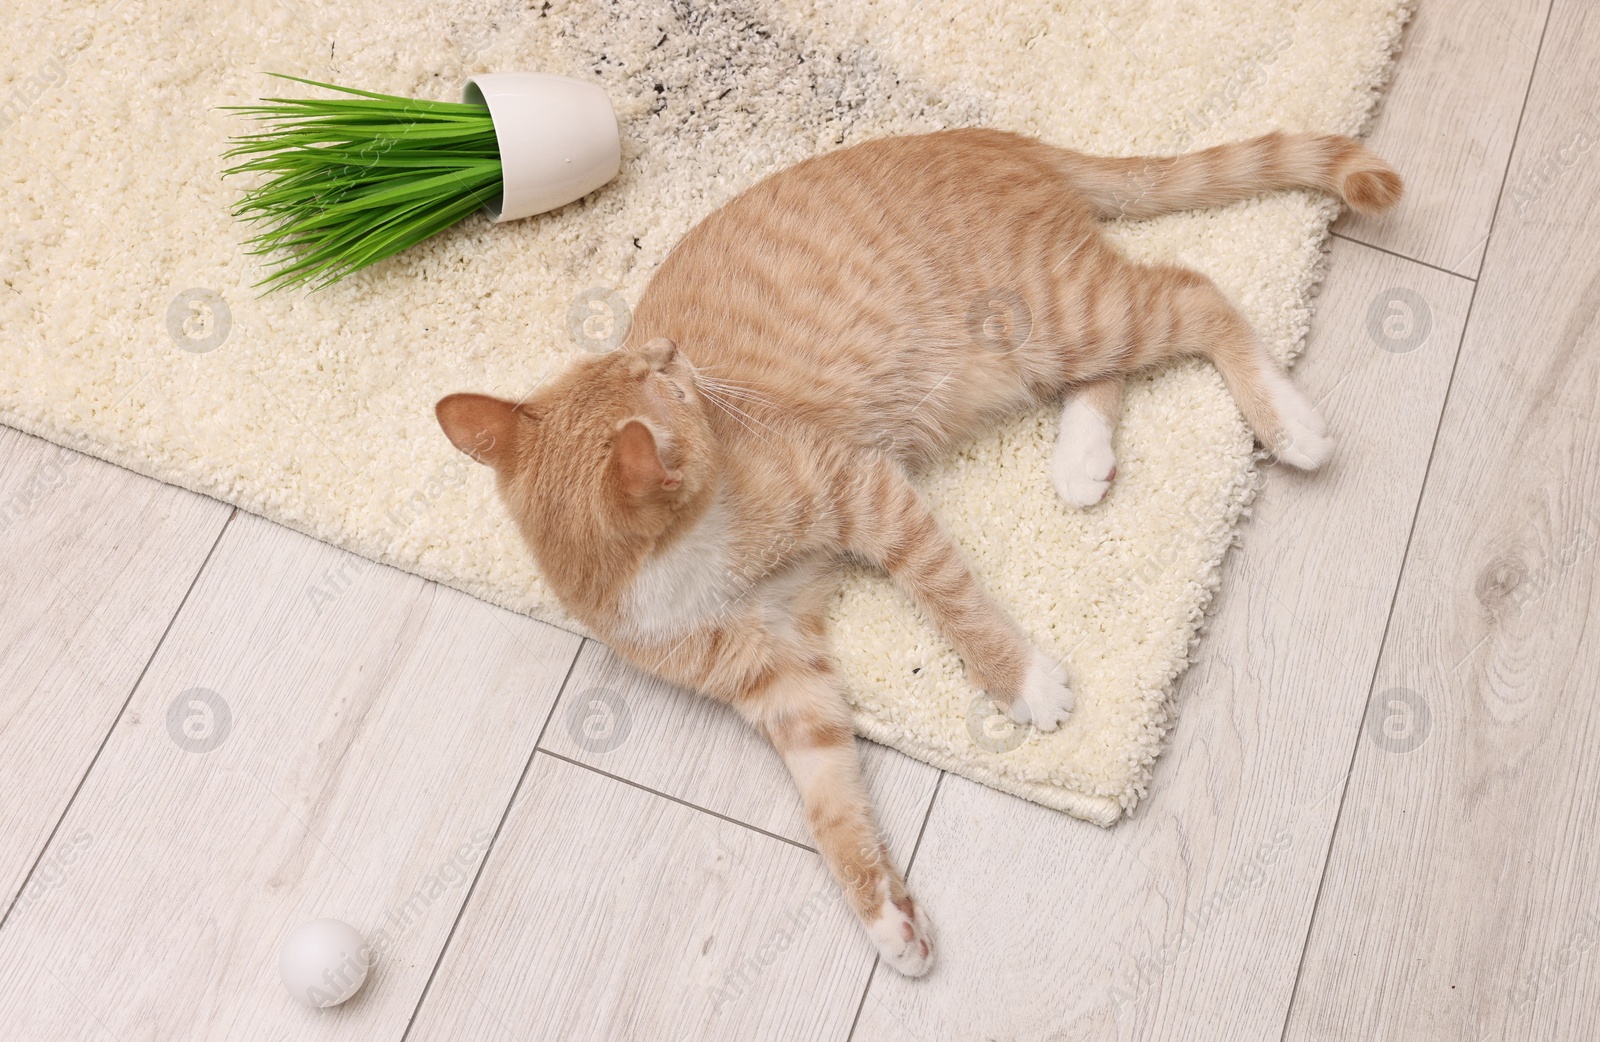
596	463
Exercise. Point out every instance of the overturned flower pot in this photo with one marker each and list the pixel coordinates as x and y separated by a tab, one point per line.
354	179
558	139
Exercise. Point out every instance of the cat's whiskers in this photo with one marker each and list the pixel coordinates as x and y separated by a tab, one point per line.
744	419
709	373
730	385
740	394
739	416
728	391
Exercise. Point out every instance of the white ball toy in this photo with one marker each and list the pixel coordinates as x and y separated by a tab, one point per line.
324	962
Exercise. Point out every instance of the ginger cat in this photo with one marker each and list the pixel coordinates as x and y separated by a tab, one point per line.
801	353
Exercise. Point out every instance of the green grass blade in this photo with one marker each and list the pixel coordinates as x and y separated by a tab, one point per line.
350	181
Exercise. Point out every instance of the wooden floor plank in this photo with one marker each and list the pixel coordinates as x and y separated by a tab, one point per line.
1460	900
1187	921
288	755
608	912
616	719
1447	124
94	561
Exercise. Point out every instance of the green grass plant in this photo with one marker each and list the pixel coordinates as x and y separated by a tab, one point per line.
355	179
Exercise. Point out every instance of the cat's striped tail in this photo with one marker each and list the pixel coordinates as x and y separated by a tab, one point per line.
1148	186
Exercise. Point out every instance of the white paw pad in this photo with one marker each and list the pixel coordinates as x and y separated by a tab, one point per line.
1082	465
1302	437
904	941
1045	699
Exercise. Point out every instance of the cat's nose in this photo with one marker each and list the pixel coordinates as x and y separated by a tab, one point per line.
659	353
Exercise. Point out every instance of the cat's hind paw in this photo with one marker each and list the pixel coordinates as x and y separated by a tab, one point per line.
1045	699
1301	439
903	936
1082	465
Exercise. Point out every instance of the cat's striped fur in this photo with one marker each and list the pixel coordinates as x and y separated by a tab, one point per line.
810	345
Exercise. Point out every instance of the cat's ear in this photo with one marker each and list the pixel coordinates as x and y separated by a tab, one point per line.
639	462
484	428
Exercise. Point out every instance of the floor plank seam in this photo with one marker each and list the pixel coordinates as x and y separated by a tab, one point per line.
560	694
488	851
1422	493
1414	260
1372	681
927	814
866	989
675	799
106	738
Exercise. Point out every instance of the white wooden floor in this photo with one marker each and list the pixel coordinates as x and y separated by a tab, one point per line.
1375	819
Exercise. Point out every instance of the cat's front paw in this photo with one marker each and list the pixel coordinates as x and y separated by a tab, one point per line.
1082	465
1045	699
903	937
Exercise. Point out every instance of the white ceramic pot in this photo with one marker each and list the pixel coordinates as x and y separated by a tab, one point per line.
558	139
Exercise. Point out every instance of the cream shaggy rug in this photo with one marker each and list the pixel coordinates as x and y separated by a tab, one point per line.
131	331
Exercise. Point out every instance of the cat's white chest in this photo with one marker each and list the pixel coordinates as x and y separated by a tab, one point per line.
689	585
